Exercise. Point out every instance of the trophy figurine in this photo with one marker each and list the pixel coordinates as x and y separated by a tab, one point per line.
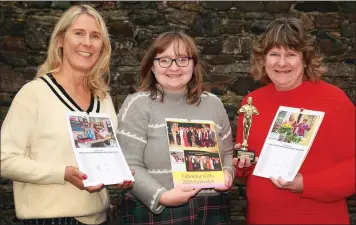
249	110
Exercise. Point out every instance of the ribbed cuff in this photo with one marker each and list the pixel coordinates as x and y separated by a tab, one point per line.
157	208
57	175
310	190
228	168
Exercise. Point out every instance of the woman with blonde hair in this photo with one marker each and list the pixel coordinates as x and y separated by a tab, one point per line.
285	57
36	151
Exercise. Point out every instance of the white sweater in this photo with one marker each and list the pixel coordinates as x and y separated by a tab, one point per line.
35	150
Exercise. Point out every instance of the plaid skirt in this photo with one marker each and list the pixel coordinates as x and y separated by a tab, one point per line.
55	221
200	210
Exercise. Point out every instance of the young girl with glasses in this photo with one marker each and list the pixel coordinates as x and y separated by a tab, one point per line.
170	86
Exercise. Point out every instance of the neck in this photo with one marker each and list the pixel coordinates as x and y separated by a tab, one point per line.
170	91
171	95
286	88
72	79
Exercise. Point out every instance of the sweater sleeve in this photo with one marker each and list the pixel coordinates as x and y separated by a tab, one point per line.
226	148
132	135
16	132
247	171
338	181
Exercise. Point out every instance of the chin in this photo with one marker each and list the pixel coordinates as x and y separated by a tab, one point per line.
85	68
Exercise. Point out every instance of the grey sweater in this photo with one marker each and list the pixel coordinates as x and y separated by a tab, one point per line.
143	138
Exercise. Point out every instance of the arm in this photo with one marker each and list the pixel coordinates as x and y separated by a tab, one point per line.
132	136
338	181
226	148
16	136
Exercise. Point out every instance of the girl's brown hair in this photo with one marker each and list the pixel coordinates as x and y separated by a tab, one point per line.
148	80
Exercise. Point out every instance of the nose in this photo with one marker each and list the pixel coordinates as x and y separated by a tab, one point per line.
87	41
174	66
282	61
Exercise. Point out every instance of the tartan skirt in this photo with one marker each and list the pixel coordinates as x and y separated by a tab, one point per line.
200	210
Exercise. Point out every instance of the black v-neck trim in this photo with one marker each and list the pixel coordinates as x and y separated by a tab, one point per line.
91	106
98	105
58	96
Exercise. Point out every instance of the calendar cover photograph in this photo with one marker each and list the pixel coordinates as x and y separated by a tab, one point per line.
92	132
194	152
295	127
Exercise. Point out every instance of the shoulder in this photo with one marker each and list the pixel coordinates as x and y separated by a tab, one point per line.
107	103
33	85
327	88
30	89
330	92
210	97
30	94
261	91
136	103
213	103
140	98
139	95
107	99
259	94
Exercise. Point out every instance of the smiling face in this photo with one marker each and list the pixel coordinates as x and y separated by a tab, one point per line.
82	44
173	78
285	68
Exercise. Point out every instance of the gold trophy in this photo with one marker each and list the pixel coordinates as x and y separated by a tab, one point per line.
249	110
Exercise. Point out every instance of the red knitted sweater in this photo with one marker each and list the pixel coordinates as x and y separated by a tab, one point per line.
328	170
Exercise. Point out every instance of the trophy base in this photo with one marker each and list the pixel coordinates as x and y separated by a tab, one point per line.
239	152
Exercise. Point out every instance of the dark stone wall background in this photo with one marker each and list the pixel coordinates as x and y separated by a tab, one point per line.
222	30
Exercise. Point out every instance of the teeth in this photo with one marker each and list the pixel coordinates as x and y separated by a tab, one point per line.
84	53
173	75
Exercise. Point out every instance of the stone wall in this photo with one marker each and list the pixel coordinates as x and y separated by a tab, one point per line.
222	30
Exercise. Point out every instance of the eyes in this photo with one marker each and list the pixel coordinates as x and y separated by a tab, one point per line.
288	54
94	36
180	60
166	62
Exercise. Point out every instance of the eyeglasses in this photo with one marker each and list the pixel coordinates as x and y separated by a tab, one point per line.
167	62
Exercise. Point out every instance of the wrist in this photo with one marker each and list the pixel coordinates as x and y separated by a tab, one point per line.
66	171
229	170
162	199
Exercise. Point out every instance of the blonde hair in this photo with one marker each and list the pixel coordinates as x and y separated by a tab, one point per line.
148	80
288	33
98	77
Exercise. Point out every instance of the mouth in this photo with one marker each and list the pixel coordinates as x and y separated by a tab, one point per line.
86	54
173	75
282	71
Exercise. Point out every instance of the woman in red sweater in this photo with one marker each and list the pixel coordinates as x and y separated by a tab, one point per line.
285	58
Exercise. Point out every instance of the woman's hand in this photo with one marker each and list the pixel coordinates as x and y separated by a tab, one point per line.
177	196
126	184
228	181
295	185
244	160
76	177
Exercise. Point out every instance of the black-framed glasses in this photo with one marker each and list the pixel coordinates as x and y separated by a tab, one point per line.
166	62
